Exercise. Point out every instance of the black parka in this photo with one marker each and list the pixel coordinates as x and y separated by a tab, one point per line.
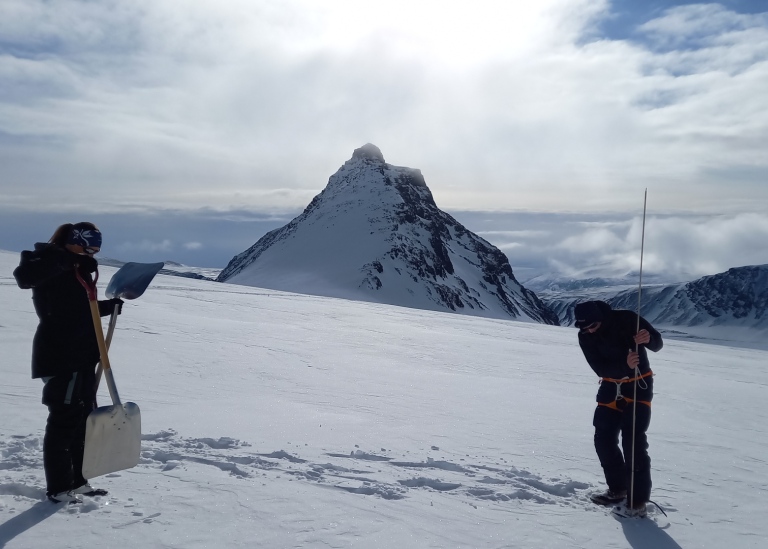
65	340
606	351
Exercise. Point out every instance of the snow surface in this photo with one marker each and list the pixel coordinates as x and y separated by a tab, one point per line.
280	420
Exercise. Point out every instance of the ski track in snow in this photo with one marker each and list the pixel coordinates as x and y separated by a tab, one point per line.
366	473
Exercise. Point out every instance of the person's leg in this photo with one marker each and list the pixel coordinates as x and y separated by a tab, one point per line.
607	423
640	492
64	432
85	396
77	448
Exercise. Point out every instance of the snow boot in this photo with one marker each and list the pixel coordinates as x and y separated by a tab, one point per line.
65	497
88	490
623	510
609	497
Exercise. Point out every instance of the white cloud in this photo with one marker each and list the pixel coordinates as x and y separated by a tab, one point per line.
510	246
708	245
701	24
145	246
500	104
684	247
678	246
593	240
525	234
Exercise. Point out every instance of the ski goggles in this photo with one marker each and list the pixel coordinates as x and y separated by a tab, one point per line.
86	238
85	250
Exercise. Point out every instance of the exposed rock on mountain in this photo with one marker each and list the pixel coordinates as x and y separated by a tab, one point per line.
375	234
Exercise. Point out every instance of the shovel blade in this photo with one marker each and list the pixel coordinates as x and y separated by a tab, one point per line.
112	439
130	281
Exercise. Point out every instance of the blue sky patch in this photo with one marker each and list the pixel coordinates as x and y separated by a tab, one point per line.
627	16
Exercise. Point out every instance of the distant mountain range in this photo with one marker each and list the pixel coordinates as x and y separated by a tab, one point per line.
713	306
375	234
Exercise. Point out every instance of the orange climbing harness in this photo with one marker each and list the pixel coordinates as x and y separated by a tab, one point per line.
649	373
619	396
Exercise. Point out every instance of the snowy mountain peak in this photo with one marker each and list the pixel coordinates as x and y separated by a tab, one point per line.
369	152
375	234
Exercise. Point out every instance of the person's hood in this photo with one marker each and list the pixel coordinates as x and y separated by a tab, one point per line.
589	312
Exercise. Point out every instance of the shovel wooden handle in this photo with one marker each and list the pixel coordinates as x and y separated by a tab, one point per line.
90	289
110	331
99	334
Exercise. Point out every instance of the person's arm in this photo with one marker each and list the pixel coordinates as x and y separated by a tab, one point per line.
40	265
110	306
648	336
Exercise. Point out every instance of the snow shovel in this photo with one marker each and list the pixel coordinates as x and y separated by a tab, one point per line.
129	282
113	433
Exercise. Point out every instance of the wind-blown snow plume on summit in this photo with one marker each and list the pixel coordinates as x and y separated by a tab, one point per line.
375	234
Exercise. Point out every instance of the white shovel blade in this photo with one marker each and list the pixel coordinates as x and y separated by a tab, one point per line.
112	439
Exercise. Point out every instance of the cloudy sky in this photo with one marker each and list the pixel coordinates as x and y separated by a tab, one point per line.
188	128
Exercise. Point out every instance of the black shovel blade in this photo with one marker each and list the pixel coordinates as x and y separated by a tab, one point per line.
130	281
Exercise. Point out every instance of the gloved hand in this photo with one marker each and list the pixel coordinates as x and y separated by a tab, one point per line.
117	305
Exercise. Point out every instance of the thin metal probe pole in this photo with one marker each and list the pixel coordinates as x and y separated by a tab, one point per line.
637	369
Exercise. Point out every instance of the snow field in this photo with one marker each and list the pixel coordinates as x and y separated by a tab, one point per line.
285	420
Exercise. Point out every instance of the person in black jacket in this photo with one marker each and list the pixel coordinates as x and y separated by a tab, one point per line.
616	351
65	351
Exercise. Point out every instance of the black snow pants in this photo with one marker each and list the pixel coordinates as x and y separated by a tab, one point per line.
617	465
70	398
